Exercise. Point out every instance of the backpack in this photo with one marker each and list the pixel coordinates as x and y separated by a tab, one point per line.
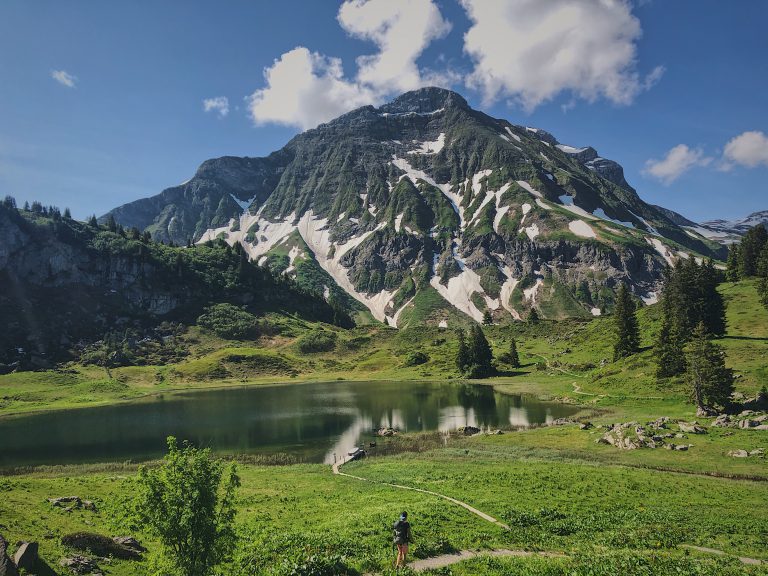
400	532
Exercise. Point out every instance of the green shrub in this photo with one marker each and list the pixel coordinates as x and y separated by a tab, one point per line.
317	341
416	358
230	322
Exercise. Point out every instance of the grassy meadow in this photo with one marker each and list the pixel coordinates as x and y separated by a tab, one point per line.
602	510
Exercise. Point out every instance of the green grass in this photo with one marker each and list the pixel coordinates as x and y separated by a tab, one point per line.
608	511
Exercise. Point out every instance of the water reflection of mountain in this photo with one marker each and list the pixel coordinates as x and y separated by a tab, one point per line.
311	421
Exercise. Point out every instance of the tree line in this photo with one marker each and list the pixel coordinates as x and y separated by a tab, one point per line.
748	258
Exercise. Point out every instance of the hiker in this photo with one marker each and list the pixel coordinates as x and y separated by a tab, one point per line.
402	536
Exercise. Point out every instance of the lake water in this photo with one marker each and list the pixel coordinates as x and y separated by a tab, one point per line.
310	421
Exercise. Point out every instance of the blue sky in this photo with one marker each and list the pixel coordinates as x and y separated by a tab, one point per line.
103	102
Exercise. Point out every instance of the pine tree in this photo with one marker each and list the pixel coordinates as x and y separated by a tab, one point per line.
533	316
512	357
67	214
711	305
462	354
732	264
711	382
668	351
481	357
111	224
627	332
762	272
487	318
750	247
92	222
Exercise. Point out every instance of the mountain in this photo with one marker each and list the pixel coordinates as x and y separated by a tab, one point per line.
730	231
66	283
425	210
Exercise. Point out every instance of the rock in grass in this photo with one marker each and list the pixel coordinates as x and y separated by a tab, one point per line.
586	426
26	556
99	545
7	567
691	428
129	542
79	565
738	453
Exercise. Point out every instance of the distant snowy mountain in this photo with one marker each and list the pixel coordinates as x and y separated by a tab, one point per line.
425	210
728	231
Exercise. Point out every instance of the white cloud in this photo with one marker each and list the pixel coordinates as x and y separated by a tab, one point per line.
678	160
748	149
219	104
401	29
63	77
305	89
532	50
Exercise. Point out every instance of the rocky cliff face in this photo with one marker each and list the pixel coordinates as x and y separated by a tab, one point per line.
424	209
64	281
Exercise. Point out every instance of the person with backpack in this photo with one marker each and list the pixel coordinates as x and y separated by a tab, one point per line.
402	536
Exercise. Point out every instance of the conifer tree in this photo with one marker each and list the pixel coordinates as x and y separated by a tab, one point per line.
711	382
92	222
668	351
487	318
67	214
462	354
533	316
512	358
732	264
750	247
481	357
627	332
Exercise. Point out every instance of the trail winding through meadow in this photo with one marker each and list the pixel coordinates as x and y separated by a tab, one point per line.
448	559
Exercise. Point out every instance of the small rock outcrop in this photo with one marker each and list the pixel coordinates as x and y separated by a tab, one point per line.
100	545
26	556
74	502
691	428
7	566
80	565
655	434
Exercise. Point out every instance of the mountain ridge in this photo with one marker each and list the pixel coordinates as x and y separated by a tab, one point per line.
424	197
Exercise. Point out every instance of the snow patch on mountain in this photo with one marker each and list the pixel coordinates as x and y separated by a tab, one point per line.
581	228
661	249
570	149
523	184
430	147
567	202
600	213
531	231
512	134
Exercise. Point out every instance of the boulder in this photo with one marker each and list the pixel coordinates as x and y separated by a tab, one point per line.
586	426
691	428
79	565
762	418
682	447
99	545
386	432
7	567
705	412
738	453
747	423
129	542
761	427
757	452
26	556
722	421
561	422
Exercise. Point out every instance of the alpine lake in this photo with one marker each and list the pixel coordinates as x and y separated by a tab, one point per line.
313	422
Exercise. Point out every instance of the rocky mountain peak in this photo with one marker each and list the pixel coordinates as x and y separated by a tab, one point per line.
424	101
